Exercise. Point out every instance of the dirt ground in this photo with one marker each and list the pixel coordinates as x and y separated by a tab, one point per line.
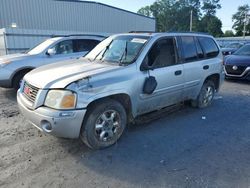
188	148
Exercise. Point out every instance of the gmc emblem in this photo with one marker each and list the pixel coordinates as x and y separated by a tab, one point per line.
27	91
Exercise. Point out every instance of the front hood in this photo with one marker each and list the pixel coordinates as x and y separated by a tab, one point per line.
237	60
61	74
13	57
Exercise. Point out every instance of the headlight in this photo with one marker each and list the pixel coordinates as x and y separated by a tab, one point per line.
61	99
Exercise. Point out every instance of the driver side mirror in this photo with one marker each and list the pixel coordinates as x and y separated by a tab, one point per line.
51	52
144	66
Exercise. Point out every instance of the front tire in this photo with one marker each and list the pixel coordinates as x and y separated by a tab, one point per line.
104	124
205	96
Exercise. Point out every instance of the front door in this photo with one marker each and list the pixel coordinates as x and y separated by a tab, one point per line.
163	61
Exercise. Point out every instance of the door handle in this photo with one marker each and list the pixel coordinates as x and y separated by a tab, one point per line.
206	67
178	72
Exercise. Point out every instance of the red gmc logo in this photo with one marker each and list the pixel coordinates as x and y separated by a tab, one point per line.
27	91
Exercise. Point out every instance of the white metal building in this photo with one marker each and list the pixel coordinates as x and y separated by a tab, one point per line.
70	16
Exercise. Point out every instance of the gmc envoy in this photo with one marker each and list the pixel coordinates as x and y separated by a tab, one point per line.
124	76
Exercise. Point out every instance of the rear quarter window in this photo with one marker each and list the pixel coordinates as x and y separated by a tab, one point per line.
209	46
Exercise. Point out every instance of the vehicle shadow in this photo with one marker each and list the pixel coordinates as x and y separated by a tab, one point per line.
246	82
152	151
8	93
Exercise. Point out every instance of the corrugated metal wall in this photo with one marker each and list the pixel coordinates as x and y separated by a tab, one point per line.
68	15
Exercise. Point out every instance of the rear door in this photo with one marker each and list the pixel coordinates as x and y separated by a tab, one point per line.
200	57
192	55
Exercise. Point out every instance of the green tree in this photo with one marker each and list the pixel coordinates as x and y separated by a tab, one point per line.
209	22
183	10
145	11
173	15
212	25
210	6
239	18
228	33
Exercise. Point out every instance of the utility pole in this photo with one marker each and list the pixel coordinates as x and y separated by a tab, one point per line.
191	20
245	24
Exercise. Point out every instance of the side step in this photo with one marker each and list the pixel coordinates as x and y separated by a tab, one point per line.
148	117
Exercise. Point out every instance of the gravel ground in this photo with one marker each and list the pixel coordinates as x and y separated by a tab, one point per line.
188	148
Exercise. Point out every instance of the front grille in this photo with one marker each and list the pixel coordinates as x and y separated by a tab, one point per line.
238	71
30	92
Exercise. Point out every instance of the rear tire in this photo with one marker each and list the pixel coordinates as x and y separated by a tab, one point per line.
104	124
205	96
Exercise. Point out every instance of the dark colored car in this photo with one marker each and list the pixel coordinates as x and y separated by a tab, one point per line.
238	65
231	48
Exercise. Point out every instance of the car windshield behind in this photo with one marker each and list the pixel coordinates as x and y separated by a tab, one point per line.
40	47
121	49
244	50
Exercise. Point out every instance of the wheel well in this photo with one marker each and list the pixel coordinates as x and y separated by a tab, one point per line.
23	71
124	99
215	78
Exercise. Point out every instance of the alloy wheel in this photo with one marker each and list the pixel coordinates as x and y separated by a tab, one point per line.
108	126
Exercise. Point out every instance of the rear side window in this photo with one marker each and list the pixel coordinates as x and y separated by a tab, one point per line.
209	46
189	48
83	45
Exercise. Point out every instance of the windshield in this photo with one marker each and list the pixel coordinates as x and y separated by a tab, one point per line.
120	49
41	47
244	50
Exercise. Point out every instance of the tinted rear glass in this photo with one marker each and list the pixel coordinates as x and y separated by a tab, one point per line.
189	48
209	46
199	49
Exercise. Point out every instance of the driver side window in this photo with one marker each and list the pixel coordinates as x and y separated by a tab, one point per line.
64	47
162	54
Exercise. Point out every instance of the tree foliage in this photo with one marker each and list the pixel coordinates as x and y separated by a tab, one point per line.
212	25
172	15
228	33
145	11
210	6
239	18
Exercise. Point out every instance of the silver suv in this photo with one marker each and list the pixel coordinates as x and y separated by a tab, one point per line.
125	76
14	67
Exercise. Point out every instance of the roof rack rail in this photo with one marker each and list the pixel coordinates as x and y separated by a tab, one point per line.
194	32
71	35
142	32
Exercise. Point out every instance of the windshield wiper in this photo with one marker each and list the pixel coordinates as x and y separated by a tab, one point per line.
124	53
106	48
97	55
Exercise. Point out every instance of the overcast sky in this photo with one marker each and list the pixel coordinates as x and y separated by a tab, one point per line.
229	7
